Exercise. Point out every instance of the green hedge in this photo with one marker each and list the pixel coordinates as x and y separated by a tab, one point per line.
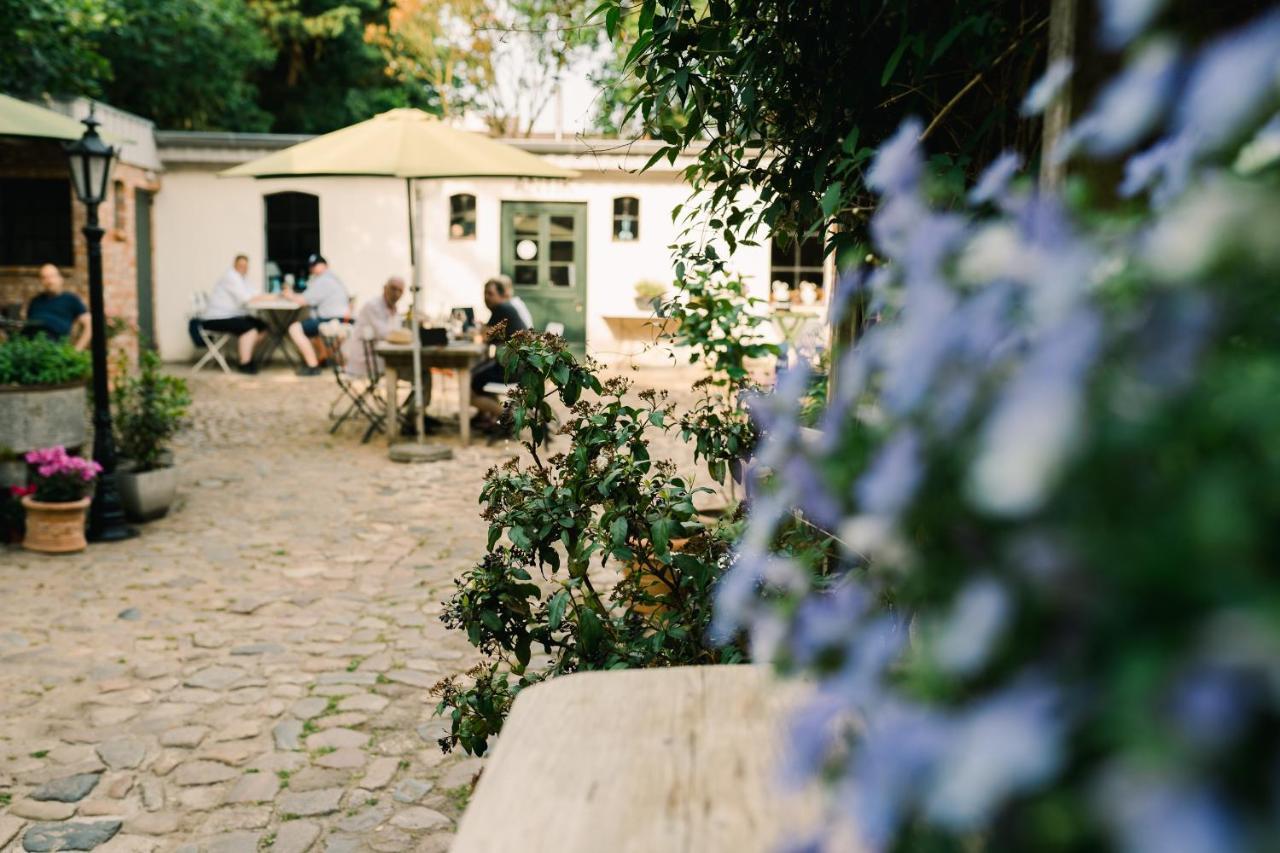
42	361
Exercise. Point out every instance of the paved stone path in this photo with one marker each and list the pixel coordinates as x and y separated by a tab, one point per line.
252	672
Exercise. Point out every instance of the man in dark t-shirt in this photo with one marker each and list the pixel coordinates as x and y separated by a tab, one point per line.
57	312
504	321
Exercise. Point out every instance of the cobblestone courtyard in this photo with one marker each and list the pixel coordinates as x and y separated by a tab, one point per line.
252	672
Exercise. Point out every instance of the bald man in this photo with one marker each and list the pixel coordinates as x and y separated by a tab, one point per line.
374	321
57	312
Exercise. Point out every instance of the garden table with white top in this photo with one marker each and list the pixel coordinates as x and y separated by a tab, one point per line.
460	356
278	314
638	761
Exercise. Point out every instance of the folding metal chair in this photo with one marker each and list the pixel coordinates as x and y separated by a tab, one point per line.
355	396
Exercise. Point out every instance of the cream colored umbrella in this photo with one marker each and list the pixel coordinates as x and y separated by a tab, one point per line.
412	145
19	118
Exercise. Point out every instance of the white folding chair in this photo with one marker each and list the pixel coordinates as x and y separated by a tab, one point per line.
213	341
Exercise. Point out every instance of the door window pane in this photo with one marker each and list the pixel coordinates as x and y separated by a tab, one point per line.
526	249
562	250
525	224
562	275
526	274
562	226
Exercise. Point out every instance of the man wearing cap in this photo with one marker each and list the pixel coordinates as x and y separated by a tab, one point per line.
327	298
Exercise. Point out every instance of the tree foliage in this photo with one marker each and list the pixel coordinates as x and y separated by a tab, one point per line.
48	46
185	65
307	66
791	95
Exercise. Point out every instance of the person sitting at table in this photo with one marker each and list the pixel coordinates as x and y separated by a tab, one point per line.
516	302
58	312
373	322
504	321
327	298
228	311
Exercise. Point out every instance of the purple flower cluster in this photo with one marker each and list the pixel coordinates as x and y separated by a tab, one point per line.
61	477
56	462
993	328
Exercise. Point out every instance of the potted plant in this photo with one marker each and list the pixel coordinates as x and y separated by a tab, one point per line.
149	408
56	510
42	394
649	294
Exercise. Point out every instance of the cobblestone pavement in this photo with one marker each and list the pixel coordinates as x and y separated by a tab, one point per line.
252	672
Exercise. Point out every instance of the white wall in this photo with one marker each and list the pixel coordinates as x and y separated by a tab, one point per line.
202	221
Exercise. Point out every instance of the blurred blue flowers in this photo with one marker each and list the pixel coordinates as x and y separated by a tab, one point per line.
1048	468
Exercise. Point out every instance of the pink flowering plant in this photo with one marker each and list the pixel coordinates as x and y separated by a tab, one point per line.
60	477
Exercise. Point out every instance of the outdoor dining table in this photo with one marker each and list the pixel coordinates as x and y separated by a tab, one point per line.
460	356
795	325
278	314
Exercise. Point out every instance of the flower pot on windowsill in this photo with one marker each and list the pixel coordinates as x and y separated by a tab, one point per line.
147	495
55	528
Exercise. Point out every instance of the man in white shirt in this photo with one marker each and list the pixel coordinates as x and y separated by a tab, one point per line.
228	311
373	322
327	297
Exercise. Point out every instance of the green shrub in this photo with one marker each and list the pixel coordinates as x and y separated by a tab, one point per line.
42	361
149	408
573	518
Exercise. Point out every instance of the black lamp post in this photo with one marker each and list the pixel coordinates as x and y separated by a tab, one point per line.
90	160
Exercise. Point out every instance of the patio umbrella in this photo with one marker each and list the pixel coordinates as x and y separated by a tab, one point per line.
19	118
412	145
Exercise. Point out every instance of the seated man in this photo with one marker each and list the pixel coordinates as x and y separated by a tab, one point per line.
327	297
228	311
516	302
504	321
57	312
373	322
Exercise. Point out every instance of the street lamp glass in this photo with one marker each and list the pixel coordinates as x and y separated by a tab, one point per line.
90	161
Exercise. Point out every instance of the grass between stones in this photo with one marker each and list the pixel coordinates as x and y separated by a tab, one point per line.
459	796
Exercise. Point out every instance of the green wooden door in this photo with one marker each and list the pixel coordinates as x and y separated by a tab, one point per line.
544	250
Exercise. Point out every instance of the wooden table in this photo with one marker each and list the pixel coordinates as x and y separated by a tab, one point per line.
459	356
278	314
641	761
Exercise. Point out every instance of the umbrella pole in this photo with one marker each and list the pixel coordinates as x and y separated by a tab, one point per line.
415	323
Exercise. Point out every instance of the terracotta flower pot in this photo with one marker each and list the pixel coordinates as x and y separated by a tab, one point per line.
55	528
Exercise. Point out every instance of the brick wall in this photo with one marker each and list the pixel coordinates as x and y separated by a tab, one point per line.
45	159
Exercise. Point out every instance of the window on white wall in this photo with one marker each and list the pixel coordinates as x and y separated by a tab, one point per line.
462	216
796	270
626	218
119	198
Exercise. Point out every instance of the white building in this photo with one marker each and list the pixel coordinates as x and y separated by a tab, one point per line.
576	248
